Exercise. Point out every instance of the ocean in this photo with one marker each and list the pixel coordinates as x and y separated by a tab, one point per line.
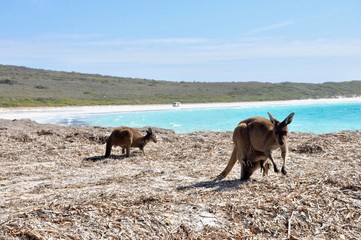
310	118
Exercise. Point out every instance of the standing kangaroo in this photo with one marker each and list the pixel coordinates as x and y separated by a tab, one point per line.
254	140
126	138
121	137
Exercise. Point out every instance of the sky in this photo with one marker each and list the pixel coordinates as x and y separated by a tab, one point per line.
312	41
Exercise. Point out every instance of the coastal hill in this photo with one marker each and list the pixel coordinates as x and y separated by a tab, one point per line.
22	86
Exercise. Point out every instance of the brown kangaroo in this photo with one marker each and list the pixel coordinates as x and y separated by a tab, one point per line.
254	140
119	137
126	138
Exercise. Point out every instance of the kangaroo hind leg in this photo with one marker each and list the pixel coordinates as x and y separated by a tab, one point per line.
108	148
242	143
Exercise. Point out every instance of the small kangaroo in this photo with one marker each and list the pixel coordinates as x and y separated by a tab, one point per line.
126	138
254	140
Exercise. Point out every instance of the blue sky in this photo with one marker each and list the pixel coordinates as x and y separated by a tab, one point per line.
195	40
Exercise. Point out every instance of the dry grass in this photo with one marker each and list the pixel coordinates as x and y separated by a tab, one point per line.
54	184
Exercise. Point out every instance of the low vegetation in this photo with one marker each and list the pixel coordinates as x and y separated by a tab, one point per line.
21	86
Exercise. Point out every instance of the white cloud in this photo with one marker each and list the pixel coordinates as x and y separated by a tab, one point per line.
141	43
270	27
172	51
209	51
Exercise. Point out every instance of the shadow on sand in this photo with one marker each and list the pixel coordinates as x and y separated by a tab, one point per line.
218	185
102	158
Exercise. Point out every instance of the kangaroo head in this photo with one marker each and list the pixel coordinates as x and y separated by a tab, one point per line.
150	135
280	129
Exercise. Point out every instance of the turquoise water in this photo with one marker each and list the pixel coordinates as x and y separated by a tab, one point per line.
312	118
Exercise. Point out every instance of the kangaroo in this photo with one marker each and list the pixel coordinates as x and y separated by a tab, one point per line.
126	138
254	140
119	137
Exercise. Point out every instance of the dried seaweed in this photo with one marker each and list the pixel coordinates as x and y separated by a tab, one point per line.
49	191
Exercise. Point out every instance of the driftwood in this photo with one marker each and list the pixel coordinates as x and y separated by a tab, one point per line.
55	184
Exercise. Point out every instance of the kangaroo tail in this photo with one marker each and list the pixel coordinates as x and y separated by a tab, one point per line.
232	161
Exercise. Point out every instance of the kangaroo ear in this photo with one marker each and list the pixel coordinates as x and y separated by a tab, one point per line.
272	119
288	119
149	130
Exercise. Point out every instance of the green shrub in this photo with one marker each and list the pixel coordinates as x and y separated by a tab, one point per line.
8	82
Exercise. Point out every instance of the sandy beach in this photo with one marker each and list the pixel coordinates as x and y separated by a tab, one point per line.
21	112
55	184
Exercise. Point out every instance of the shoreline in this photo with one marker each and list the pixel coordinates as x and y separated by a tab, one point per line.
31	112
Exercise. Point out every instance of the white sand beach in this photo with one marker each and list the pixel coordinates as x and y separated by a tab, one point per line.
39	112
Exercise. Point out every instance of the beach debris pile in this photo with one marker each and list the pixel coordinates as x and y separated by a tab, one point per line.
55	184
